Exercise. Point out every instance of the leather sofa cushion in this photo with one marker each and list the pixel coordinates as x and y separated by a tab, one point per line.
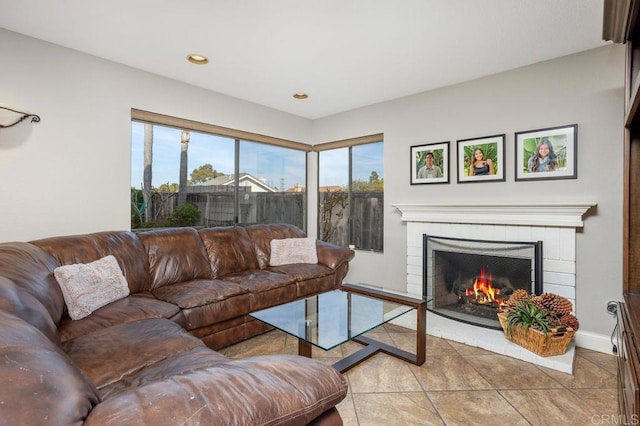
132	308
229	249
31	269
35	370
274	390
19	302
262	234
315	285
257	281
206	302
123	245
302	271
310	279
184	362
265	288
111	354
213	313
175	255
192	294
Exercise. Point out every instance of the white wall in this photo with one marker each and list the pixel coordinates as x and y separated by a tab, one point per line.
70	173
585	88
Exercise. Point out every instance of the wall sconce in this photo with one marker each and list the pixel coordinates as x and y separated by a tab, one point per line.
10	117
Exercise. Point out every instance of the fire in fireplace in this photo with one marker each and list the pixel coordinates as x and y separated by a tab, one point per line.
467	280
483	292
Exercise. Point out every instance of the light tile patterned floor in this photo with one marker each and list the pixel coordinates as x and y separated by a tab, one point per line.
460	385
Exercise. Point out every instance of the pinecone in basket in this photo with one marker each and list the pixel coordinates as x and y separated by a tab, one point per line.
555	304
538	302
517	298
569	320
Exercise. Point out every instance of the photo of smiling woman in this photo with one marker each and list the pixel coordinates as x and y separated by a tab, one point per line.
547	153
544	159
481	159
480	165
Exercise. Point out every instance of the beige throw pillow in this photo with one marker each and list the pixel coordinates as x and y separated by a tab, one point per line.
87	287
293	250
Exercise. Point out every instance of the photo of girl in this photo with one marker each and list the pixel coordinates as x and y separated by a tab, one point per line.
481	159
547	153
480	165
544	159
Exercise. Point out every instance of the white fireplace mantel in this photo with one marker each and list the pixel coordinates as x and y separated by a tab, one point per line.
529	214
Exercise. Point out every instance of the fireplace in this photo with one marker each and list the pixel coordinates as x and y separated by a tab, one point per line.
467	280
553	223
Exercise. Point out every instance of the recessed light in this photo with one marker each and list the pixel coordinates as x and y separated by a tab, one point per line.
300	95
197	59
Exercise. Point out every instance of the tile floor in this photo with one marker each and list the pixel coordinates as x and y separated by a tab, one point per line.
460	385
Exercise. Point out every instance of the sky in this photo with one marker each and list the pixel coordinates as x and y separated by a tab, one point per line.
279	166
334	164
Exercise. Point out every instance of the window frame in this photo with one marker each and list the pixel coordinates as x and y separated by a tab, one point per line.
346	143
237	136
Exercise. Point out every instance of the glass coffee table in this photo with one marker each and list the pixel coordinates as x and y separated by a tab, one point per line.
330	319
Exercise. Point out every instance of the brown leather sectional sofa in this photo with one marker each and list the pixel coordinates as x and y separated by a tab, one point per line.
149	358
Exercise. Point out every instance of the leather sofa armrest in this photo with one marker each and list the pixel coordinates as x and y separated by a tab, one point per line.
332	255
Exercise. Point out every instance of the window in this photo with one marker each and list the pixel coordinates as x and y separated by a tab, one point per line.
193	174
351	192
278	195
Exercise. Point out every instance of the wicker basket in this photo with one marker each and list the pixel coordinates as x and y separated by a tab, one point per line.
552	343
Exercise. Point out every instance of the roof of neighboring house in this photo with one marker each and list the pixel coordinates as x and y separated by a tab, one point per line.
244	177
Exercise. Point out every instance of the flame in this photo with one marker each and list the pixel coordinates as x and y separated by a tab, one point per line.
483	289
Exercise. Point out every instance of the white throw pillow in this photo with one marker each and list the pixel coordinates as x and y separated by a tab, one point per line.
87	287
293	250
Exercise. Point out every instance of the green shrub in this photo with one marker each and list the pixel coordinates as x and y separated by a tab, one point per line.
148	225
184	215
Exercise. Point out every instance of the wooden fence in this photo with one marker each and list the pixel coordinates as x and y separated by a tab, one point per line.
360	222
218	208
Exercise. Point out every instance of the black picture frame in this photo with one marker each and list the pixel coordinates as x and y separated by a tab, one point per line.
491	168
421	173
558	161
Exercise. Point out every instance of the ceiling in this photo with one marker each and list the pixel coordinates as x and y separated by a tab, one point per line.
344	53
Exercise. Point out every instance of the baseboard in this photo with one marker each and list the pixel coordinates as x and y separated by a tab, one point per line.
595	342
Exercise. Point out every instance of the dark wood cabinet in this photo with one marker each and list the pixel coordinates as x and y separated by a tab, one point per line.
620	25
628	367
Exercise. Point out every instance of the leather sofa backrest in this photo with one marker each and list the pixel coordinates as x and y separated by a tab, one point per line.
40	384
175	255
123	245
31	270
262	234
229	249
17	301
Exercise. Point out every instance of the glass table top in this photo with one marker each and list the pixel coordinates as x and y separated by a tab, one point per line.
330	319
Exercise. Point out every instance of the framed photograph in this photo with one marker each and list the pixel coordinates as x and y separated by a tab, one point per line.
547	153
430	163
481	159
